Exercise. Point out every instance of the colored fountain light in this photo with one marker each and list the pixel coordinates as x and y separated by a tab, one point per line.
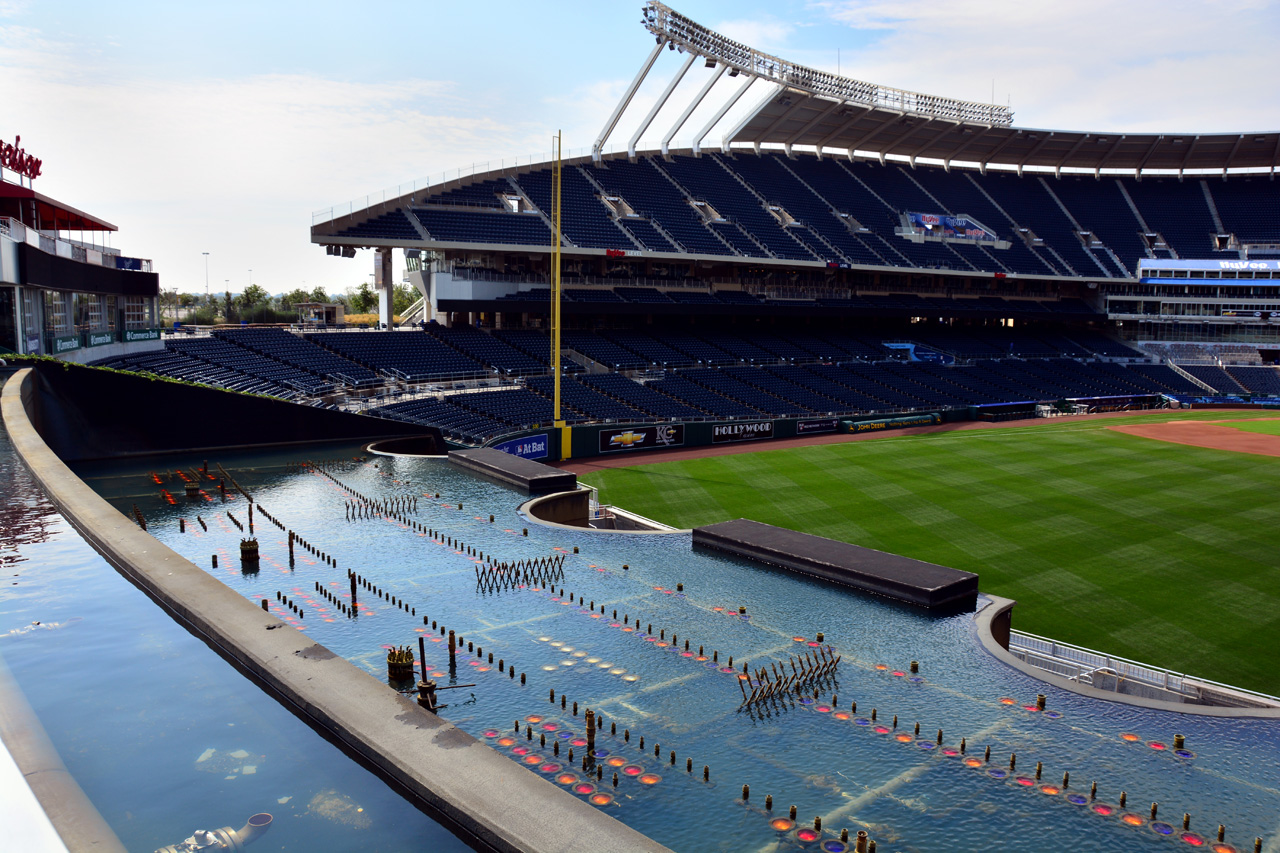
686	704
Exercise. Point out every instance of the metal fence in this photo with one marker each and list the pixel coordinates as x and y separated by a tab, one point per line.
1121	675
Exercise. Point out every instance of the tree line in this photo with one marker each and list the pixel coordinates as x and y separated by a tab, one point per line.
256	305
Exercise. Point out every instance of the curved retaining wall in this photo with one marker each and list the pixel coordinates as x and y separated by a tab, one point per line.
477	793
74	818
993	623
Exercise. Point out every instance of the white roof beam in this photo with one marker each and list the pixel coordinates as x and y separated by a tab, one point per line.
840	131
1234	148
747	119
928	143
693	105
982	167
853	146
1142	164
715	119
662	102
1034	151
797	102
1057	170
812	123
1115	146
1186	158
955	155
664	22
907	136
626	100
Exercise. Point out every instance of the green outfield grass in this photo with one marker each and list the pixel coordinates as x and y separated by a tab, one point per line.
1267	427
1154	551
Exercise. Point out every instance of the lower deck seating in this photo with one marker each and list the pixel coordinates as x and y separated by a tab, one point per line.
412	354
455	422
298	352
1214	376
1257	380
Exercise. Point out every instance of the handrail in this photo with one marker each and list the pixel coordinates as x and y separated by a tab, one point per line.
1065	654
73	250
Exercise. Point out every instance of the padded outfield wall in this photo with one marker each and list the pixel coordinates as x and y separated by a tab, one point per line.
612	439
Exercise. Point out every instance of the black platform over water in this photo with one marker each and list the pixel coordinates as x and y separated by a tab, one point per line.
534	477
900	578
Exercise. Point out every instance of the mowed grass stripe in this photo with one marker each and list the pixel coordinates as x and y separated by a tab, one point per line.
1155	551
1265	427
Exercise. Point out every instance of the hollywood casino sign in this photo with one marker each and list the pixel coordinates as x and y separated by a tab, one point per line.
14	158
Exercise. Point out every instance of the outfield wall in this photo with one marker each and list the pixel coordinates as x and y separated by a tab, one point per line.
95	413
590	440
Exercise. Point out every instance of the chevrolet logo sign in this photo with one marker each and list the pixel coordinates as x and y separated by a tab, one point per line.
626	439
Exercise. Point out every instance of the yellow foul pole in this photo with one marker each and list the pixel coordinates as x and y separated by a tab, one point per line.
555	295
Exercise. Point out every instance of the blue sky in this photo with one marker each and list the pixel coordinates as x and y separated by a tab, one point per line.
222	127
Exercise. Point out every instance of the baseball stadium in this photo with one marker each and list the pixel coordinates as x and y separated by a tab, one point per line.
948	442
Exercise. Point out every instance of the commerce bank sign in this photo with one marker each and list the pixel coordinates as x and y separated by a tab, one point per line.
16	159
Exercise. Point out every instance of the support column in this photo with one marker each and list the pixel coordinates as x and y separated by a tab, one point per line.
384	284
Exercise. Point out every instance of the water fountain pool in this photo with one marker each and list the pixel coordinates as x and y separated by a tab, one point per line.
821	754
162	734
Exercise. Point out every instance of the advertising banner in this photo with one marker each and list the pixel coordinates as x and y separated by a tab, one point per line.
813	427
894	423
131	335
641	438
958	227
528	447
723	433
64	343
97	339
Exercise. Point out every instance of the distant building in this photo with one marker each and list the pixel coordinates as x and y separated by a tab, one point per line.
63	292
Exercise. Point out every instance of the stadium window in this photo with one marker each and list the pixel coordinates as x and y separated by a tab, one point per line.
135	313
56	319
30	310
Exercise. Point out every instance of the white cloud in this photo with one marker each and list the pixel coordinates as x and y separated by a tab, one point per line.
235	167
1091	64
768	34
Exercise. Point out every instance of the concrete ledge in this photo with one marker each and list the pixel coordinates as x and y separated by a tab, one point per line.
70	813
900	578
563	509
995	619
476	792
533	477
569	511
414	445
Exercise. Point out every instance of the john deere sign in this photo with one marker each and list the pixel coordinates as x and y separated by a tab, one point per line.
131	335
97	339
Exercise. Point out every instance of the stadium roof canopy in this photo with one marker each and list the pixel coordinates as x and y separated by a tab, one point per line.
40	211
812	108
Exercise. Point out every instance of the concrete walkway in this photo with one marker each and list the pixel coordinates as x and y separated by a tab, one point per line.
26	826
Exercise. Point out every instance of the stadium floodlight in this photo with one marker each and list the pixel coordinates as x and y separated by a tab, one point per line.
665	23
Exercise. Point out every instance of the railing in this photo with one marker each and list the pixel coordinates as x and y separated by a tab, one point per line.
1086	666
69	249
667	24
427	185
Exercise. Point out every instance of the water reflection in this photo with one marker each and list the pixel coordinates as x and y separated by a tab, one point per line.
163	735
604	634
26	516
